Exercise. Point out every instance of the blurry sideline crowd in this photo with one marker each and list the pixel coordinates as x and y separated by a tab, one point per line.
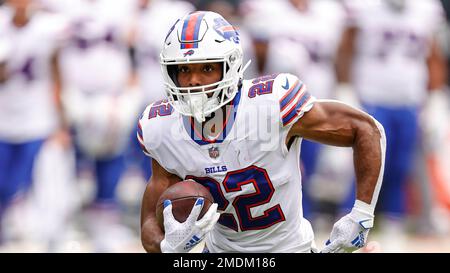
76	74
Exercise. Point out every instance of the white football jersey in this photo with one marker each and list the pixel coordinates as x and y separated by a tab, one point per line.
319	29
302	43
249	169
391	50
96	59
27	106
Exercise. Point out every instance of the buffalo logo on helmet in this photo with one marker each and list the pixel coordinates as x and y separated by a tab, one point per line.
188	53
227	31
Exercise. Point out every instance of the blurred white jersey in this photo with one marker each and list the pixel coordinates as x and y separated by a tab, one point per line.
249	169
391	50
152	25
96	57
303	43
319	29
27	102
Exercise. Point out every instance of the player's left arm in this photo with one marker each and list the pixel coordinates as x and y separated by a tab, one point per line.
437	68
62	134
4	52
433	115
335	123
2	72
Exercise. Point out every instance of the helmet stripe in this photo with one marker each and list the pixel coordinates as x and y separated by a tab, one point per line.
197	27
191	27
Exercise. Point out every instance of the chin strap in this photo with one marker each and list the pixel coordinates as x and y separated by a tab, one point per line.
196	103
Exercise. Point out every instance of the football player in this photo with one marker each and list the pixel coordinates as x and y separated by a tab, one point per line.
326	23
312	53
396	67
241	139
100	99
30	106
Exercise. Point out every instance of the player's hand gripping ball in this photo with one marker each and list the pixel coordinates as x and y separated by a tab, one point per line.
183	196
186	213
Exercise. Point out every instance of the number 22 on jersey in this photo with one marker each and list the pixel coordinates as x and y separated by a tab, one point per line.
243	204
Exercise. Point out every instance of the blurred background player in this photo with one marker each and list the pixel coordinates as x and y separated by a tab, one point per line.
268	45
296	36
154	17
326	169
101	102
30	106
394	58
432	159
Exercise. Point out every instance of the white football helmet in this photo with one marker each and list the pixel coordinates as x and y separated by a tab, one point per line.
202	37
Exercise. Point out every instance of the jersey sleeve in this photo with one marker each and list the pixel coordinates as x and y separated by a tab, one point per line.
140	137
293	98
152	128
142	133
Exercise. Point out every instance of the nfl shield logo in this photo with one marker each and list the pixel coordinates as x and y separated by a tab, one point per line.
213	152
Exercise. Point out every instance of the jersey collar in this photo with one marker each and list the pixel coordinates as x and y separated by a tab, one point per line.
194	129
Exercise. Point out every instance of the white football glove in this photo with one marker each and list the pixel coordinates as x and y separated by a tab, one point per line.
182	237
350	232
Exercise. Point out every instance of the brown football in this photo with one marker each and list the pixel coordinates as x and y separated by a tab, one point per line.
183	196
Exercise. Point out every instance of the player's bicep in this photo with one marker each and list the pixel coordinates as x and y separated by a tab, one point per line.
330	122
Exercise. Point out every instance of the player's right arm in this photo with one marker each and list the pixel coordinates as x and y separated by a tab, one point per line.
2	72
178	237
151	233
347	44
4	51
345	55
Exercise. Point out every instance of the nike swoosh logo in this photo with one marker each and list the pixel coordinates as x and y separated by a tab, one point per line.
286	86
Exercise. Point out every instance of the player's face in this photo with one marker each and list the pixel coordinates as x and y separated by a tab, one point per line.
191	75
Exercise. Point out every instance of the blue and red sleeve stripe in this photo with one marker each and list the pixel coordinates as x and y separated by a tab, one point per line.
290	95
140	138
290	115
